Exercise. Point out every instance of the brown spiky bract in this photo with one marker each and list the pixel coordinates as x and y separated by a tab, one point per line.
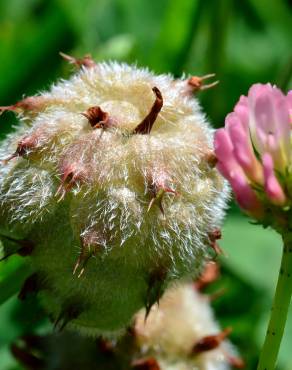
108	175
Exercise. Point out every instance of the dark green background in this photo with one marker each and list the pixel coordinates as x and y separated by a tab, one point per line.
243	42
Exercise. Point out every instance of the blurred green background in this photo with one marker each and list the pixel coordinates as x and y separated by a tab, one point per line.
243	42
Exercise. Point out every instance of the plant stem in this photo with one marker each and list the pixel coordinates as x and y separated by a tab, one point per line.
279	310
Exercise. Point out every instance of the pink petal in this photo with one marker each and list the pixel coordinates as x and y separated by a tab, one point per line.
241	109
257	90
273	188
243	150
281	113
270	122
229	168
258	138
289	98
245	195
263	110
223	144
227	163
289	102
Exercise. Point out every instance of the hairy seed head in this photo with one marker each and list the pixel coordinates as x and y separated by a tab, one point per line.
111	180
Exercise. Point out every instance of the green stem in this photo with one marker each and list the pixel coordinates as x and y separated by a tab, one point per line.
279	311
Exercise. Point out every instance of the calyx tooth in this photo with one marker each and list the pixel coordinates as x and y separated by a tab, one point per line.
85	61
146	125
210	342
198	83
32	285
149	363
155	289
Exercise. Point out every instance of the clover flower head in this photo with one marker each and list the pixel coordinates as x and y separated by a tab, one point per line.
254	150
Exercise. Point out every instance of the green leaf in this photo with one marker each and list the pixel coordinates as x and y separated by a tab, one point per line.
12	275
254	253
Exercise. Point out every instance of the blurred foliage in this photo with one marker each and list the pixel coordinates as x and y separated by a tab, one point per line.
243	42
